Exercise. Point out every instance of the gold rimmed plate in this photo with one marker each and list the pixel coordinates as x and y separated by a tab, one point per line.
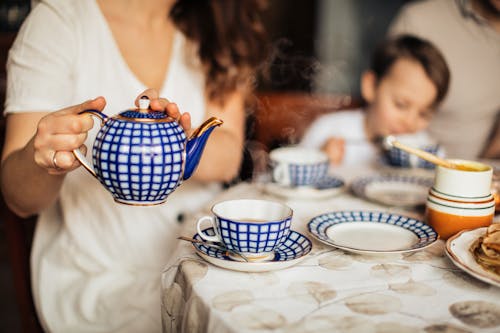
293	250
458	250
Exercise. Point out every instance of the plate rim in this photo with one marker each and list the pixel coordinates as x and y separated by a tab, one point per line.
327	240
305	192
358	185
480	275
251	267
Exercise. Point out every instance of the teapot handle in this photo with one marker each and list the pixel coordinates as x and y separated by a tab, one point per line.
78	154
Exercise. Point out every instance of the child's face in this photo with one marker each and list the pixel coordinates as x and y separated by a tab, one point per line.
401	102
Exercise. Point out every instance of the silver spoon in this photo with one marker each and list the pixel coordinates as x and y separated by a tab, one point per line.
215	246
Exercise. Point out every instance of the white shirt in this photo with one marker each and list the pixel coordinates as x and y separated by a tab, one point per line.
96	264
350	126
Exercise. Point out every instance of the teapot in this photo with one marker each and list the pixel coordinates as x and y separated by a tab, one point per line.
141	156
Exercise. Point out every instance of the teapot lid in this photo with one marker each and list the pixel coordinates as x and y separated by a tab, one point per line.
144	114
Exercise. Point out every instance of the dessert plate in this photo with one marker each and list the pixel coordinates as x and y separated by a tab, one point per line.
457	249
328	187
372	232
293	250
393	190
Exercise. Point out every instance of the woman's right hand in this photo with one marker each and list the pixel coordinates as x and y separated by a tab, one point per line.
60	132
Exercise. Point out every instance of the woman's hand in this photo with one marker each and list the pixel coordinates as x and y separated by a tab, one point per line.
335	149
59	133
164	105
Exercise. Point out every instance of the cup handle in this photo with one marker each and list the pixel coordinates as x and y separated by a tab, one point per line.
78	154
206	237
280	174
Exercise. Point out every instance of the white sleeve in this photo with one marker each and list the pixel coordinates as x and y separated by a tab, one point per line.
40	62
317	133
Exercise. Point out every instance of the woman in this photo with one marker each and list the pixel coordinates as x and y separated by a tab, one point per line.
96	264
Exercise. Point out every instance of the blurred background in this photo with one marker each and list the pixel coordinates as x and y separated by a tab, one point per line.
319	47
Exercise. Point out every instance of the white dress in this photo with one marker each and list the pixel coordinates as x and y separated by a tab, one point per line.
96	264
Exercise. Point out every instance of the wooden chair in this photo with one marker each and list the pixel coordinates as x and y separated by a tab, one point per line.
19	236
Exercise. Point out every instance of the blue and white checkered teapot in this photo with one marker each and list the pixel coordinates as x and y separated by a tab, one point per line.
141	155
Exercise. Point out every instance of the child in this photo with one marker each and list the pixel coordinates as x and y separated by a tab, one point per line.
407	79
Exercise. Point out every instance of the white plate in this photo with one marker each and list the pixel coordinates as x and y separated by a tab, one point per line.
457	249
372	232
329	187
393	190
293	250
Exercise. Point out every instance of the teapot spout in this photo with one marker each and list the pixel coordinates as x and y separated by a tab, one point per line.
196	144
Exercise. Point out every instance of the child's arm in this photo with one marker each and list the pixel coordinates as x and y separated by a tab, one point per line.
334	147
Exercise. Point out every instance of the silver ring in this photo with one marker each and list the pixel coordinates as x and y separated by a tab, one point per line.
54	161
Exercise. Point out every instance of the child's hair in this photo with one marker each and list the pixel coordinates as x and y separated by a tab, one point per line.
417	49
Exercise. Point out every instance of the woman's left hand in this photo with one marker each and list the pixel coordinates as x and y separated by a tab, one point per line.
164	105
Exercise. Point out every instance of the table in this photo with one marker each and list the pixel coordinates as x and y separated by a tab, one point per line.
330	291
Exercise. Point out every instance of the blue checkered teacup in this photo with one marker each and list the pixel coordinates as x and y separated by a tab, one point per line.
297	166
254	228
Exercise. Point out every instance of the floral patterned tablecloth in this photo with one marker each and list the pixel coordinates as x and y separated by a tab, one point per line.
330	291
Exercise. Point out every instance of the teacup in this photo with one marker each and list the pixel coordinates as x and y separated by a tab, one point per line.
400	158
254	228
460	198
297	166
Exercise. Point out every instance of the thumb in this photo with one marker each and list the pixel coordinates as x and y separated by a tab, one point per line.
97	103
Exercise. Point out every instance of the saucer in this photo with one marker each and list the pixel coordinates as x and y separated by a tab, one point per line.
393	190
457	249
328	187
293	250
372	232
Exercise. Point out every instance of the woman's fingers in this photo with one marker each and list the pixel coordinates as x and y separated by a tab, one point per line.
152	94
164	105
65	124
183	119
67	142
97	103
60	132
185	122
64	162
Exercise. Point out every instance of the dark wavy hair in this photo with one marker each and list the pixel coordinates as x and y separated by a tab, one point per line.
416	49
230	37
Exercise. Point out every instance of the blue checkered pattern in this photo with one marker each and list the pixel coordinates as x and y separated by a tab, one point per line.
400	158
253	237
319	224
359	185
307	174
329	182
293	247
139	161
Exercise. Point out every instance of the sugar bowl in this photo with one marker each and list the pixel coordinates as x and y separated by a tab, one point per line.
460	198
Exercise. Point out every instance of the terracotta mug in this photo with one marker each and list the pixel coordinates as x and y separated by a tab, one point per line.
460	198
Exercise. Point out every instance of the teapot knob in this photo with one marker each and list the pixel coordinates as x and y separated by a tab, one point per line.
144	103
